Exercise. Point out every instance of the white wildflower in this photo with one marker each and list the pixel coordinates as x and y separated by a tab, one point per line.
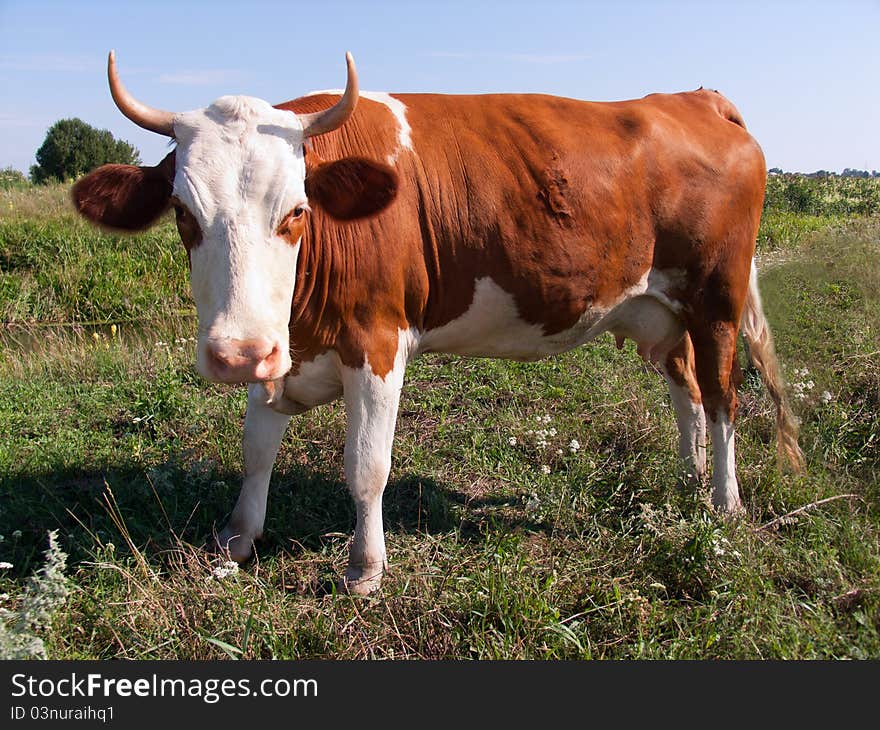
5	566
16	534
545	469
512	440
552	431
229	567
574	446
559	452
826	397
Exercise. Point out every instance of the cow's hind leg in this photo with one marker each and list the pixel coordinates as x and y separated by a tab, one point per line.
263	430
371	409
715	356
679	371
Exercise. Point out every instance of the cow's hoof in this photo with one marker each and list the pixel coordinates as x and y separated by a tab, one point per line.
360	580
235	546
728	507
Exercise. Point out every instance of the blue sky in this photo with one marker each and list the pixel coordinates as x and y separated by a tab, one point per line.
805	75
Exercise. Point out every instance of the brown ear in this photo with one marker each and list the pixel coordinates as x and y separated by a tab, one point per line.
125	197
351	188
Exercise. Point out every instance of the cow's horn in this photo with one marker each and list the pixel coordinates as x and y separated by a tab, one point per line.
144	116
335	116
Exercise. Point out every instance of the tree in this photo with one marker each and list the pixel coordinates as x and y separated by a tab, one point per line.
73	147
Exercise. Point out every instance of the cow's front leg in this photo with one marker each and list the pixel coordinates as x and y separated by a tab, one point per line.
371	408
263	430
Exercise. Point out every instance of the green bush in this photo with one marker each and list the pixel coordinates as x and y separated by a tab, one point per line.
12	179
72	148
821	196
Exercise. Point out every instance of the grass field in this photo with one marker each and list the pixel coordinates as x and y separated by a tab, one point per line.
500	546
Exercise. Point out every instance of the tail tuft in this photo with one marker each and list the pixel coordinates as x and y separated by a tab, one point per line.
760	341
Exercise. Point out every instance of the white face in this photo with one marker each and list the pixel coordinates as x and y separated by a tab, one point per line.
239	172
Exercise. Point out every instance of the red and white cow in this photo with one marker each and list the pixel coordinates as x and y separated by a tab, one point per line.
331	241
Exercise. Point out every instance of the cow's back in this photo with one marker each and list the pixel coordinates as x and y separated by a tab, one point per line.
560	204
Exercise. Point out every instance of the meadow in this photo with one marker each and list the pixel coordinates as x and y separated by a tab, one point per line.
533	510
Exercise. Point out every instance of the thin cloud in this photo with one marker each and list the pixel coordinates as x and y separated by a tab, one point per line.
448	54
50	62
535	58
205	77
13	120
547	58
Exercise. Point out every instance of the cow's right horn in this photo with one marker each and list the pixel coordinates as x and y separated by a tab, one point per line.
338	114
144	116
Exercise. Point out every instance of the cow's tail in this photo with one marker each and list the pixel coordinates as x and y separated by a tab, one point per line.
760	341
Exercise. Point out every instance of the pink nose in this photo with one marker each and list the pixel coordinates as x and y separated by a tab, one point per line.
244	361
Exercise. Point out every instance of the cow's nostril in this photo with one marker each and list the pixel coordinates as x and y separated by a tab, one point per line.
220	359
273	357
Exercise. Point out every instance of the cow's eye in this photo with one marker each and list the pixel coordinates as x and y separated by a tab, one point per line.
299	211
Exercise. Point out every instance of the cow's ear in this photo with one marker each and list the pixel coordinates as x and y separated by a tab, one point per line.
125	197
351	188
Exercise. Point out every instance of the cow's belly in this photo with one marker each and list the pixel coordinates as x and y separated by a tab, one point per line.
492	326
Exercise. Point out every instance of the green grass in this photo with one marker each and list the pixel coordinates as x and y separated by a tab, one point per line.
57	268
115	442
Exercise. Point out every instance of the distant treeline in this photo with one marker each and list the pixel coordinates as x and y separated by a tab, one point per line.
847	172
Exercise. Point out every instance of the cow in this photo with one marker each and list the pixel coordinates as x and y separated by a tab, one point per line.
333	238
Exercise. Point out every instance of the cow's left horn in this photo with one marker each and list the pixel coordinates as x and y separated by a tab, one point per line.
144	116
334	117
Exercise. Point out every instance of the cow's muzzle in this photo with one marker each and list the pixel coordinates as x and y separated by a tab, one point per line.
245	361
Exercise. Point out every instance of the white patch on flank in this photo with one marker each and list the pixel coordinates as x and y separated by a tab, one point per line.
396	107
492	325
240	170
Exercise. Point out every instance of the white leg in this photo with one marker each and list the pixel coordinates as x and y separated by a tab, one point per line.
371	407
263	430
691	430
725	490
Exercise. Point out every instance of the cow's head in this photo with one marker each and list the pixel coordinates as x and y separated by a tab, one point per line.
238	183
